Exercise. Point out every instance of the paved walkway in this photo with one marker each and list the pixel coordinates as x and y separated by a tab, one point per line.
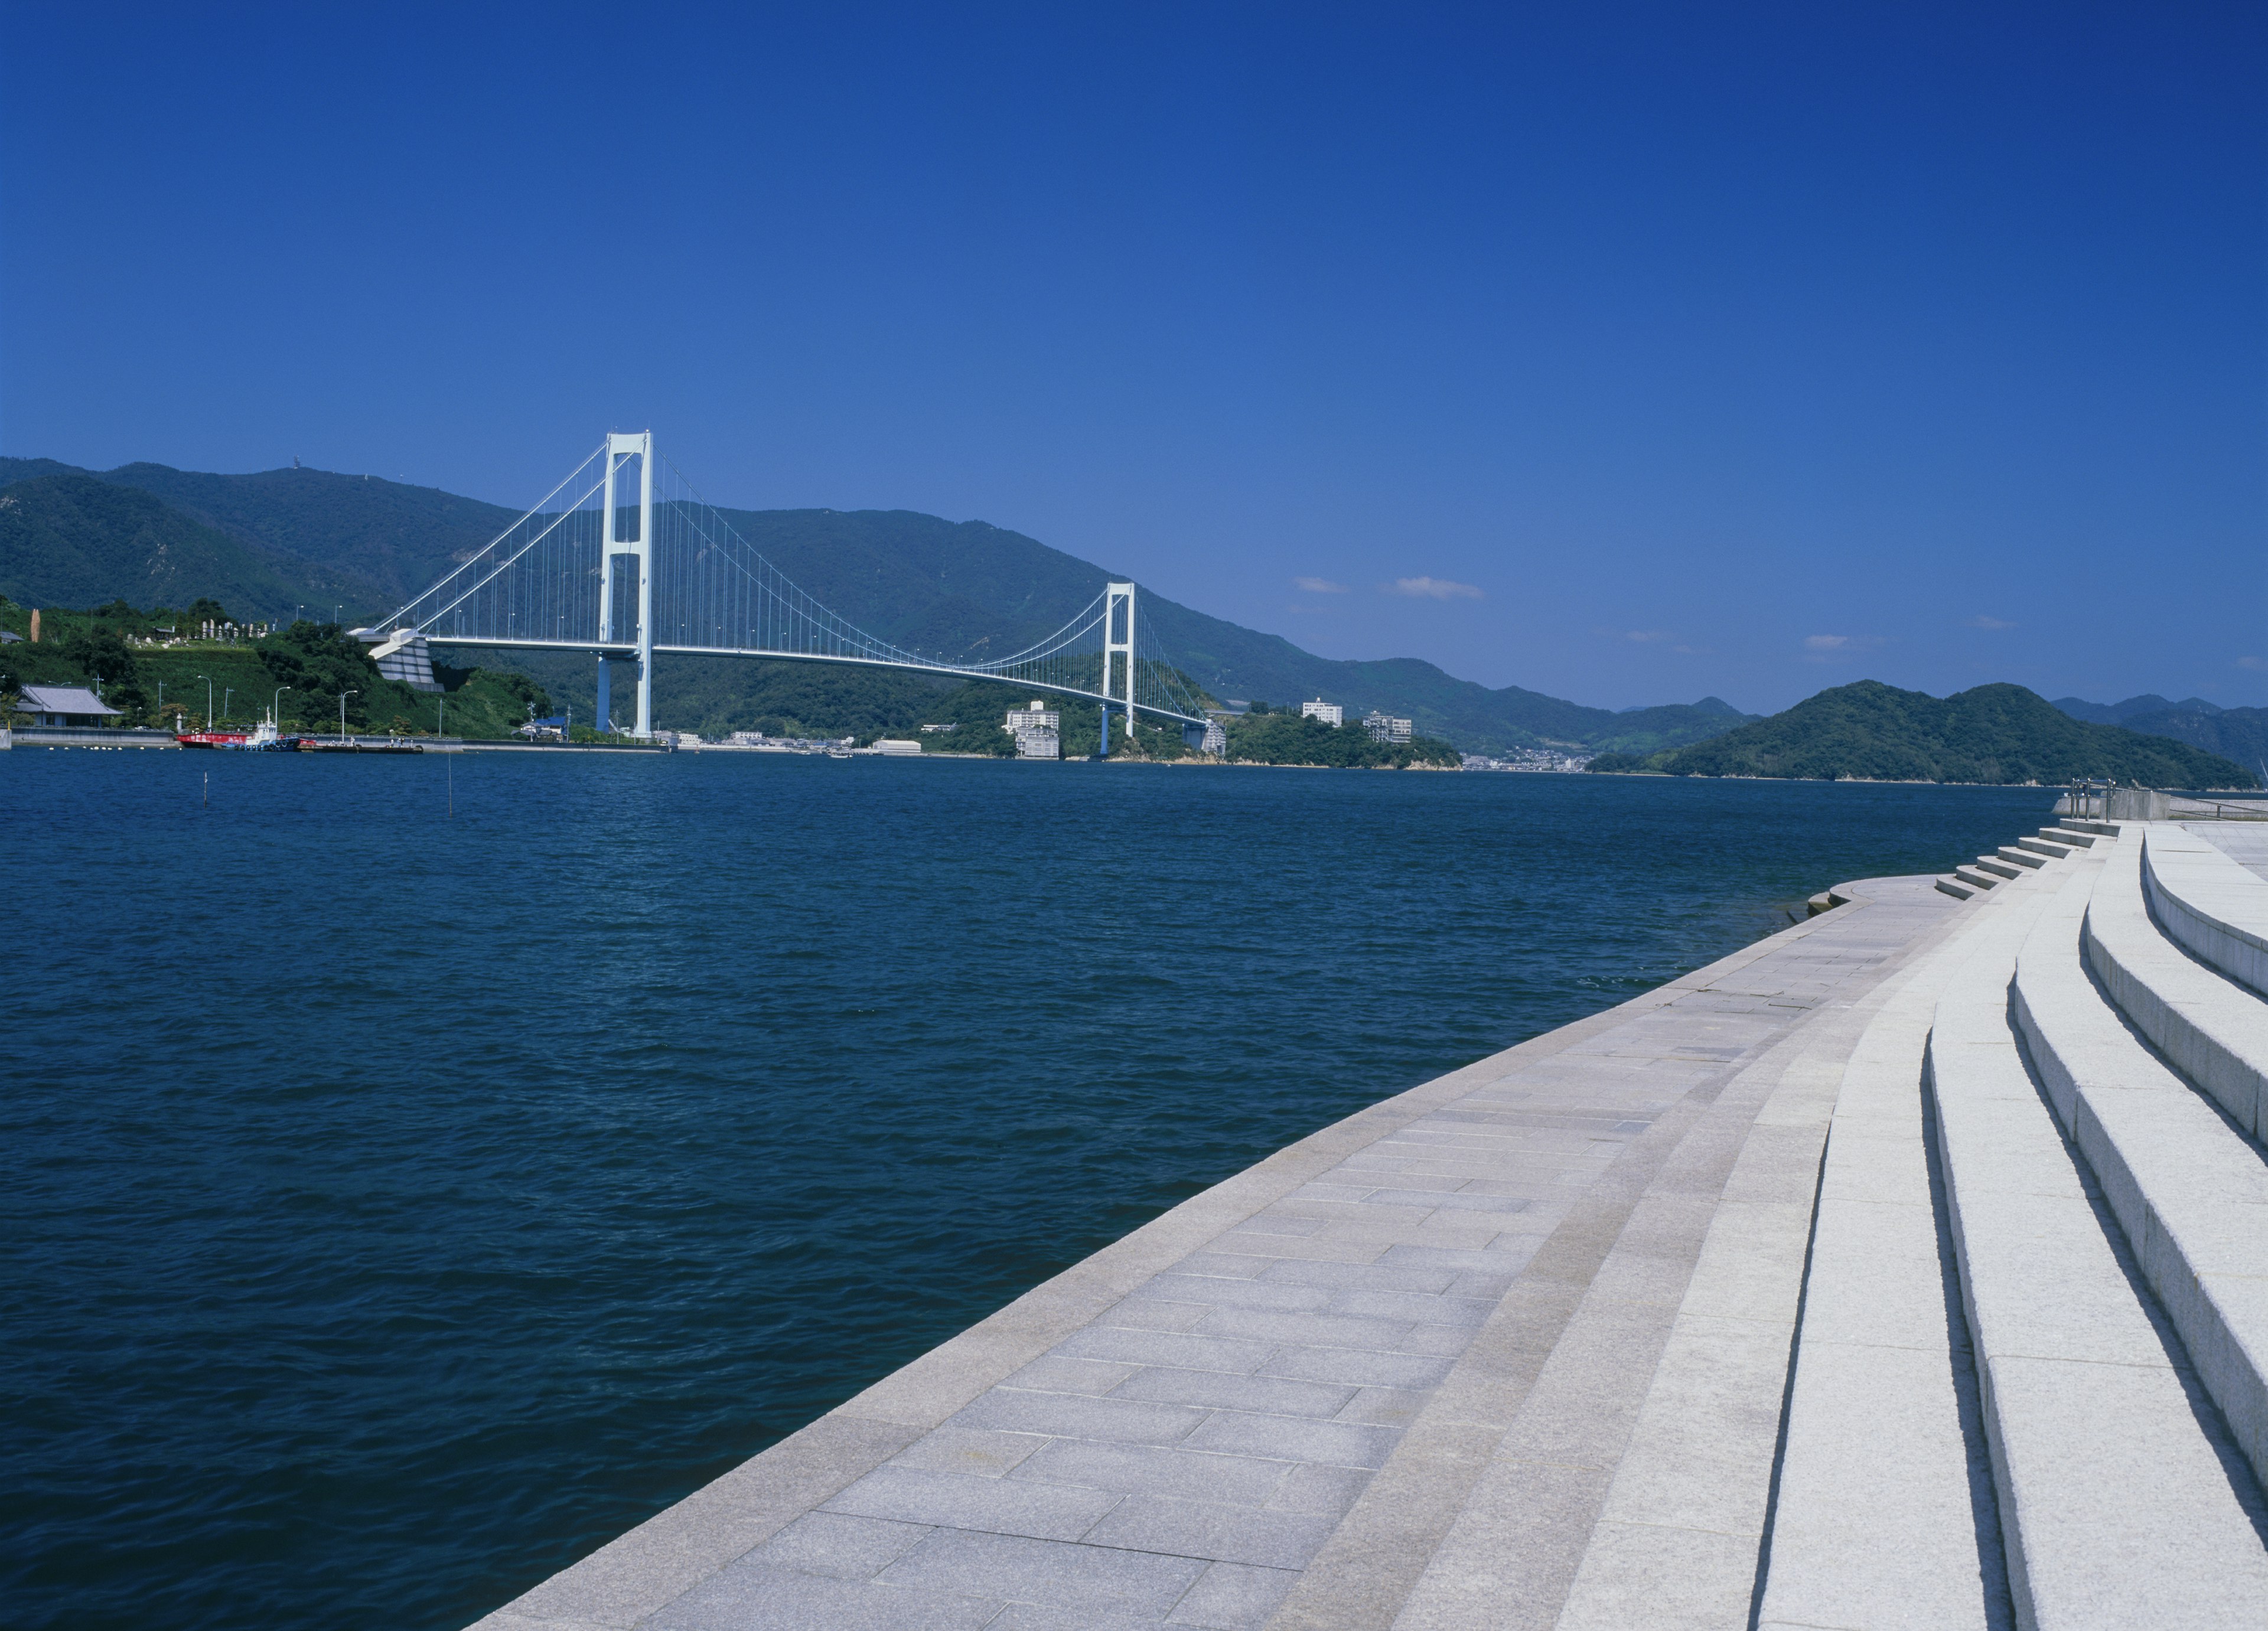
1387	1376
2246	843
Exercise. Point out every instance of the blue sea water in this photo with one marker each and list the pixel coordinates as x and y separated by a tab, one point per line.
395	1205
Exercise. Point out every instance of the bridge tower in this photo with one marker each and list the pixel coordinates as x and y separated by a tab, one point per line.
620	449
1117	595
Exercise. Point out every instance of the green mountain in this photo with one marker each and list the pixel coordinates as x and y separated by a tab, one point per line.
76	540
961	589
2235	733
1995	733
2133	708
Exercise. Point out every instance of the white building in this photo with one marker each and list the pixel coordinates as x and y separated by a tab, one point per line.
1038	731
1329	713
1385	727
898	747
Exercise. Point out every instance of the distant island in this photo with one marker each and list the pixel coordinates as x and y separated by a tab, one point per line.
1993	733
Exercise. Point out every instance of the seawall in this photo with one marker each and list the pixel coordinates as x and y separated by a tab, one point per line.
1902	1269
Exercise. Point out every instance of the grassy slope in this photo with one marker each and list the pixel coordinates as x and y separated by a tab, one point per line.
167	685
1997	733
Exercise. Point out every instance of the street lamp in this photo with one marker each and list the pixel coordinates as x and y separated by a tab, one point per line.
227	696
208	699
275	714
343	712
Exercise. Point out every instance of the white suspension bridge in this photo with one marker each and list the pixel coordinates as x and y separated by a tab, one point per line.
588	571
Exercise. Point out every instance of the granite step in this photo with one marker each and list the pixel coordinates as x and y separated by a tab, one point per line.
2211	1029
2207	903
2190	1192
2115	1498
1878	1520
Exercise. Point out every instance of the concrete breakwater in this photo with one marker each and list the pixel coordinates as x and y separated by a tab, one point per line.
1901	1269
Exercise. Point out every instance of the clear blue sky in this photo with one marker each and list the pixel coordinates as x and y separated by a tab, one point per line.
1627	353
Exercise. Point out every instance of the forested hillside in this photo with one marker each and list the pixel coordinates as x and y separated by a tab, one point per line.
1995	733
958	589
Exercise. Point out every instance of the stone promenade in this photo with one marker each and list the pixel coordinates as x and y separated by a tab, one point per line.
1508	1349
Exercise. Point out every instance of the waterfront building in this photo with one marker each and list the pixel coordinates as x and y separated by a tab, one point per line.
1385	728
1038	731
1329	713
551	729
898	747
58	705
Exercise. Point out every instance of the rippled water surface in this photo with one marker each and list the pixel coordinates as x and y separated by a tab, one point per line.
395	1206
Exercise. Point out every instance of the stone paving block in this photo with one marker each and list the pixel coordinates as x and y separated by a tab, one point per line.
1006	1506
1385	1275
1416	1307
1270	1221
1224	1265
1229	1596
1340	1444
1270	1292
1311	1487
1031	1617
1050	1573
1384	1407
1070	1415
961	1449
742	1598
1357	1365
1320	1330
1508	1254
1211	1351
842	1547
1140	1313
1132	1469
1233	1534
1059	1373
1437	1340
1354	1246
1269	1395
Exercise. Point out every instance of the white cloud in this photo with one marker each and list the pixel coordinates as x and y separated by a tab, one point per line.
1820	648
2252	662
1982	621
1649	636
1432	589
1318	585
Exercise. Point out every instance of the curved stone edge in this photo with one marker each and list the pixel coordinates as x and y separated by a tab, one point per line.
2208	1027
640	1571
2190	1194
2208	903
2115	1507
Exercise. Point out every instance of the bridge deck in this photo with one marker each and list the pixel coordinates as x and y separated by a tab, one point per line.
1387	1375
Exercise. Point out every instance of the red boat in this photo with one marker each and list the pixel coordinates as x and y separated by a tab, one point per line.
263	739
